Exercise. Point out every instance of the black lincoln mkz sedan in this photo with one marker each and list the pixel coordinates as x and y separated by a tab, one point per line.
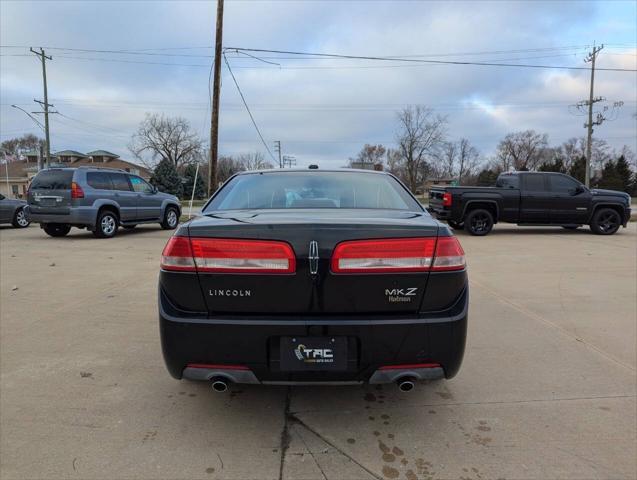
313	276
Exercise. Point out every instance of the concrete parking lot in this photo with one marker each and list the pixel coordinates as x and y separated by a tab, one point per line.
547	389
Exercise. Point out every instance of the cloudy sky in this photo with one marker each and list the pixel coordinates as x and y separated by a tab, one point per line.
322	110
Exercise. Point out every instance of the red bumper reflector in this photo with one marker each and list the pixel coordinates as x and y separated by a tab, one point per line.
410	366
216	367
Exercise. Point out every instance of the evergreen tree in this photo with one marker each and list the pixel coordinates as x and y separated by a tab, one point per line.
166	178
557	165
189	181
626	176
487	177
610	177
578	169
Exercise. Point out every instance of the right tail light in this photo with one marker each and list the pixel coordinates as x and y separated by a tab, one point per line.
397	255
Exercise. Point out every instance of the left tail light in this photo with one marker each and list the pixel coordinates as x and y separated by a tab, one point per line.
217	255
76	191
447	199
398	255
177	255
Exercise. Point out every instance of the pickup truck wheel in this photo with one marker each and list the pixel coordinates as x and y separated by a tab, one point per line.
107	225
171	219
606	221
455	225
20	219
478	222
57	229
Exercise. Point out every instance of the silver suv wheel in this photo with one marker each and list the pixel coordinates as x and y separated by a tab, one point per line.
171	218
21	219
108	224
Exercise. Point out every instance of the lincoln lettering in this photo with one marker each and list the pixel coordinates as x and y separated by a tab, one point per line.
230	293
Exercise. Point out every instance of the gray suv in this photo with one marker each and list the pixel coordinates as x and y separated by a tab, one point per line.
98	199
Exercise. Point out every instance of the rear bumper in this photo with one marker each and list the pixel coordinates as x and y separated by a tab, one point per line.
247	350
439	213
81	216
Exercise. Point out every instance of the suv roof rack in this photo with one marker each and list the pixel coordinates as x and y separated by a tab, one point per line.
103	168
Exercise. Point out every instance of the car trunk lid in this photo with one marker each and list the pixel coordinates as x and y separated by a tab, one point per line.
313	288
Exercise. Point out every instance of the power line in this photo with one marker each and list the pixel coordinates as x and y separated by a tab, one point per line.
414	60
152	51
248	108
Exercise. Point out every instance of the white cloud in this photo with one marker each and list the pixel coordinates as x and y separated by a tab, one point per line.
320	114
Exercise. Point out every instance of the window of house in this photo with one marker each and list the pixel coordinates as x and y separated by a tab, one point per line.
15	190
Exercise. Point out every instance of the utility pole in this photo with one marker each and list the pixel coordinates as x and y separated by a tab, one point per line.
277	147
589	125
289	160
214	118
45	104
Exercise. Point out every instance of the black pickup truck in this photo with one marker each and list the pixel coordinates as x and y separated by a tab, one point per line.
531	198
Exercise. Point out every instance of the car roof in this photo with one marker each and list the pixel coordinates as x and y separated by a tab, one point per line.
312	170
95	169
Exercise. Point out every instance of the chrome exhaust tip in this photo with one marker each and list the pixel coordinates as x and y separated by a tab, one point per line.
219	384
406	384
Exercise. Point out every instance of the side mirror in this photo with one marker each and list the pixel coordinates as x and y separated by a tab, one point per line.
154	189
579	189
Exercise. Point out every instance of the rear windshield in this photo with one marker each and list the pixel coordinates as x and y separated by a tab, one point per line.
313	190
53	180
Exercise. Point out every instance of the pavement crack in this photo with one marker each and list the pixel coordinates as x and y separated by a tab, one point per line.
311	454
300	422
285	432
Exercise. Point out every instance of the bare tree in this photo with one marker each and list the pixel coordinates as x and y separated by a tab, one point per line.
446	160
227	167
421	132
159	137
15	147
369	155
394	163
468	160
522	150
457	160
253	161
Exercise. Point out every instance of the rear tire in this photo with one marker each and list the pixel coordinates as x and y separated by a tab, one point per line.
455	225
107	224
20	219
57	229
606	221
478	222
171	218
